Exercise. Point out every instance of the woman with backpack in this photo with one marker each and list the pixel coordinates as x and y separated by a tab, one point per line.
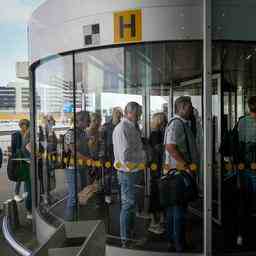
17	139
19	150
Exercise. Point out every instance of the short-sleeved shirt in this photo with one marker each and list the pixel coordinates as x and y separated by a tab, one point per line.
247	135
175	134
247	129
81	140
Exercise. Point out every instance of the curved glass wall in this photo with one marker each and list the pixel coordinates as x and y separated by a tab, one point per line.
74	155
54	114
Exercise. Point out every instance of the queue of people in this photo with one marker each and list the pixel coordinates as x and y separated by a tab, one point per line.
172	146
119	141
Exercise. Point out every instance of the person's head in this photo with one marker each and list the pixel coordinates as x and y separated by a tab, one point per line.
133	111
24	125
159	121
252	104
117	115
95	120
51	120
83	119
47	121
183	107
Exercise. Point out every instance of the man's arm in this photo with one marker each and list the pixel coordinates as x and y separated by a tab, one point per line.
78	154
176	154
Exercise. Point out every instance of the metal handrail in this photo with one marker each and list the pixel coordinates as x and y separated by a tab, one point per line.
9	132
16	246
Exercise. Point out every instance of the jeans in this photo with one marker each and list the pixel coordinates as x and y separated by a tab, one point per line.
83	177
176	225
28	200
71	202
70	176
108	181
128	202
17	187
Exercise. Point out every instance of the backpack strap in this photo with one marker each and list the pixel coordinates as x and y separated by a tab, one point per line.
237	123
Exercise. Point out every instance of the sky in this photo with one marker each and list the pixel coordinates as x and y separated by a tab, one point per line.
13	34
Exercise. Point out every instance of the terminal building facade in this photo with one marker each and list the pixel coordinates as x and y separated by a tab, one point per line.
105	54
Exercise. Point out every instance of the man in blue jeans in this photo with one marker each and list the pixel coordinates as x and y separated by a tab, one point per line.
181	149
82	152
128	152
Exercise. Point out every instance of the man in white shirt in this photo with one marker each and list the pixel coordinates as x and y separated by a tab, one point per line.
128	152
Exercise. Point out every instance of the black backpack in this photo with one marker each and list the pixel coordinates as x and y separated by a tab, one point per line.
231	146
18	170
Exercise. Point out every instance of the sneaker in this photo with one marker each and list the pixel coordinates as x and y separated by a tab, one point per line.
108	199
29	216
18	198
154	225
158	230
25	194
239	240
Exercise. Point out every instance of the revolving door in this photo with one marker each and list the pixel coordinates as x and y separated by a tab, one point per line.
153	75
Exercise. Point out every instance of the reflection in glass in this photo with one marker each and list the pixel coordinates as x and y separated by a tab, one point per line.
53	118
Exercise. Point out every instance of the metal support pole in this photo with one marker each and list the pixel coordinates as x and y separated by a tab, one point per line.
33	166
207	129
45	167
75	136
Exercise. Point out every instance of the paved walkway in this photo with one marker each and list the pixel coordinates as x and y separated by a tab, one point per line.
6	186
23	234
5	249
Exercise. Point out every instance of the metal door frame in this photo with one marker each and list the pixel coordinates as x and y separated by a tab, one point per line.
219	133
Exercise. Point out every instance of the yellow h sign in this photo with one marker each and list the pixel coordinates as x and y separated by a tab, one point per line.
127	26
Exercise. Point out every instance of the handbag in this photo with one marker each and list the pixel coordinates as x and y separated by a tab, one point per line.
178	187
17	168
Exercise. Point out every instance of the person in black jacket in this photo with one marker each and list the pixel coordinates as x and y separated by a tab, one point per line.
48	145
156	139
1	157
17	139
107	131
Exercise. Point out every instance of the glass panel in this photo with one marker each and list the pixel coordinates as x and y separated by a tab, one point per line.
54	114
169	70
237	64
106	80
101	78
